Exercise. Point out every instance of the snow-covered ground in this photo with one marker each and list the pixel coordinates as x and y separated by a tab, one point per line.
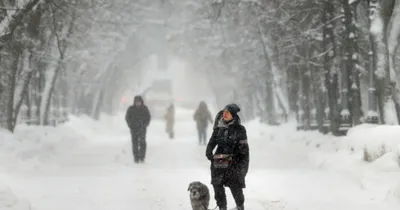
87	165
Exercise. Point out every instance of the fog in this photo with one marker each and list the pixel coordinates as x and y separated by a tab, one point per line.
187	84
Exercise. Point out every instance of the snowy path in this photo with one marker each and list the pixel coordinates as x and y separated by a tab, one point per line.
99	175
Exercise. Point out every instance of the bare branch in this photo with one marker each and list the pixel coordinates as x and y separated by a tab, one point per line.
7	8
16	21
56	33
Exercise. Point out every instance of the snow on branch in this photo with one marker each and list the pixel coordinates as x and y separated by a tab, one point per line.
354	2
9	24
9	8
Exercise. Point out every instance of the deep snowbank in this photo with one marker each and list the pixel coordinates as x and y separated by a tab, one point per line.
31	146
376	140
345	155
381	142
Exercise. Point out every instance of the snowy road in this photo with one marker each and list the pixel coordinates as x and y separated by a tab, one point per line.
99	175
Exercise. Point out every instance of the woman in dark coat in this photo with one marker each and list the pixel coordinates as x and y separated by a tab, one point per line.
230	162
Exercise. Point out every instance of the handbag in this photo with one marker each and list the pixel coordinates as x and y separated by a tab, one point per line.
222	160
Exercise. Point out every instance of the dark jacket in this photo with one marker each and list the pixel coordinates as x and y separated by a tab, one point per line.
229	138
138	117
202	116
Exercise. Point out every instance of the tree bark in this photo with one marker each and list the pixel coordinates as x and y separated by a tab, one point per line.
380	12
11	89
269	81
393	43
350	58
331	76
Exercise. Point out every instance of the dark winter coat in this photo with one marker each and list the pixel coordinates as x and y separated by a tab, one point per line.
229	138
138	117
202	116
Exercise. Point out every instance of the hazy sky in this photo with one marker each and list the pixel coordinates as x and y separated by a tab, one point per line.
187	83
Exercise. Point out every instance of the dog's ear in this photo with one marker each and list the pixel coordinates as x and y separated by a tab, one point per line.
190	186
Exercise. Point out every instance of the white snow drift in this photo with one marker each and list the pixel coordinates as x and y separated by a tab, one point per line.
88	165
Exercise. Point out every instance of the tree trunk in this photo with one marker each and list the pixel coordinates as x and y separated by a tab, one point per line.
23	95
269	81
292	85
380	14
351	55
393	43
11	89
305	90
98	102
331	76
50	86
372	115
345	67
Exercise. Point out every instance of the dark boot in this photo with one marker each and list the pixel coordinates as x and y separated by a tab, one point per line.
238	196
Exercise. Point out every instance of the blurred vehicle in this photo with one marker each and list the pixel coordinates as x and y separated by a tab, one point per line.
158	97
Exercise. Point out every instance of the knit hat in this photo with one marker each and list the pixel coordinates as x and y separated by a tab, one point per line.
233	109
137	99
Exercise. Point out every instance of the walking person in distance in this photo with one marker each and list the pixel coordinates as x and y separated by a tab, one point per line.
202	117
138	119
170	121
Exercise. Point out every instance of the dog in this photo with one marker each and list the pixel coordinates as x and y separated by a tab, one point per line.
199	196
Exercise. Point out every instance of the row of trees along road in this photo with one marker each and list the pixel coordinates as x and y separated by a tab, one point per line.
334	63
